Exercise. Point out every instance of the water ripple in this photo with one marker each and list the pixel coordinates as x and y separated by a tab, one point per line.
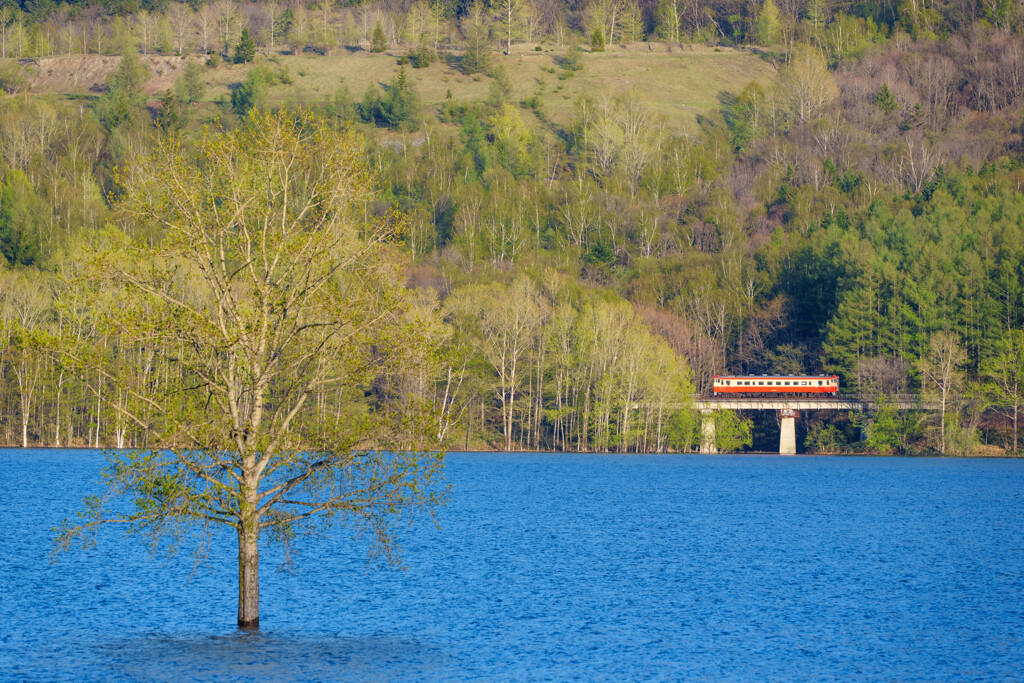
557	567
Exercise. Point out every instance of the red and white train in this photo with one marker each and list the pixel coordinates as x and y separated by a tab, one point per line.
776	385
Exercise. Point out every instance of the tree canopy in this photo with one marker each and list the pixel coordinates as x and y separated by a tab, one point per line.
259	296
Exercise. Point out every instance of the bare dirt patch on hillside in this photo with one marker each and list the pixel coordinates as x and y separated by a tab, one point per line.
82	74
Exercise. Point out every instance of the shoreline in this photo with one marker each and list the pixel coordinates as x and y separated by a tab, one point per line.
986	456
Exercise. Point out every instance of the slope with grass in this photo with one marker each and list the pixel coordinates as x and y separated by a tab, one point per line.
680	84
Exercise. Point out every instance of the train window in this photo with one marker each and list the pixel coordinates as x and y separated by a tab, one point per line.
728	382
787	384
761	383
819	382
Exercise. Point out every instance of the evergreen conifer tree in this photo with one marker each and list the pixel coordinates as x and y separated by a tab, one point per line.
885	100
378	43
499	91
191	85
19	215
245	51
123	98
252	93
169	117
399	106
476	53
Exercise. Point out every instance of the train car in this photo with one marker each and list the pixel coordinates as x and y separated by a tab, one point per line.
776	385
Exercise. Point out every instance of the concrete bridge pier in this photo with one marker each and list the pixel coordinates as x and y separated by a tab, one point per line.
707	432
787	436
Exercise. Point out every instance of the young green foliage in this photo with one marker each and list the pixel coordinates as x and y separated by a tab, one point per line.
768	24
260	297
191	85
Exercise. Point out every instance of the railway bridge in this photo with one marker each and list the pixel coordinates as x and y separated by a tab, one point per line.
789	407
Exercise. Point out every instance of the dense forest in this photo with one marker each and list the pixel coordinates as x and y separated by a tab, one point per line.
859	213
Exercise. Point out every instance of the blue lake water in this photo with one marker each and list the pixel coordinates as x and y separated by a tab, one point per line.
556	567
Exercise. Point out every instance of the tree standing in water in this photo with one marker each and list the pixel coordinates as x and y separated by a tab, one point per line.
268	330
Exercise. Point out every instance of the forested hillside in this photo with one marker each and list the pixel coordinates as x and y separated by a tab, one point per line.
601	204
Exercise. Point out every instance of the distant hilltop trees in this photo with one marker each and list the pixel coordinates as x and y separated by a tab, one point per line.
46	28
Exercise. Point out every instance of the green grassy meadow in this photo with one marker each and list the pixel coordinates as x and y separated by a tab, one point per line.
681	84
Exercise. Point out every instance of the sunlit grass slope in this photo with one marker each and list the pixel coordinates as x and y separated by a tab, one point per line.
681	84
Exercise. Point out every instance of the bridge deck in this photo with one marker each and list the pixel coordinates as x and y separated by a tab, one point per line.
806	403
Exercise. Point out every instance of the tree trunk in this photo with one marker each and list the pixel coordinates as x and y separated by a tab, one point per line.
25	388
99	407
56	429
942	425
248	575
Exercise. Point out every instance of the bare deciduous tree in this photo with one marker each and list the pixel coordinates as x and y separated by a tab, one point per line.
940	368
182	20
1005	372
806	86
507	320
